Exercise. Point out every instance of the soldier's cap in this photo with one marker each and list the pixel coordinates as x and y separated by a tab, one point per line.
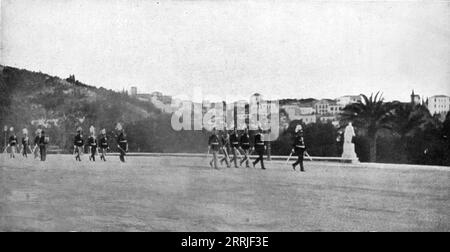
92	130
119	126
103	131
11	129
299	128
25	131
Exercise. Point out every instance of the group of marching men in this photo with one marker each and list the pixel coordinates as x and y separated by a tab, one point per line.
99	145
41	141
240	145
38	148
230	144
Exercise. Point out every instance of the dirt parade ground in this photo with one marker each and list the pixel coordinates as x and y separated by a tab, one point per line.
184	194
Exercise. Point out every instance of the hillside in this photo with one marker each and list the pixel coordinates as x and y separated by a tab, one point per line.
33	99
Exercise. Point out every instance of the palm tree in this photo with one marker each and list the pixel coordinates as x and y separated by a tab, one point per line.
409	119
371	115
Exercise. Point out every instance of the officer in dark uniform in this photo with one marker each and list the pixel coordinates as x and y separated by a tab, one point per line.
299	148
78	144
43	141
245	146
12	143
226	147
122	144
214	147
92	143
25	143
260	148
103	145
234	140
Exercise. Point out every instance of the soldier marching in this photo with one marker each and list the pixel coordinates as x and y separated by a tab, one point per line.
246	148
122	143
234	141
104	146
299	148
78	144
92	144
260	148
214	147
25	143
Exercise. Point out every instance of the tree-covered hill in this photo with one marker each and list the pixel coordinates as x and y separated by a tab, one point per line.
35	100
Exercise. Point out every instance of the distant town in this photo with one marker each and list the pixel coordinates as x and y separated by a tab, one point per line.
306	110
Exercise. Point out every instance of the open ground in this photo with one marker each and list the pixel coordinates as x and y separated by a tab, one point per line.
184	194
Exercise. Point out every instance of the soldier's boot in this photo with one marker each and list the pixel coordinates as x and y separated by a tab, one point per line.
293	166
302	169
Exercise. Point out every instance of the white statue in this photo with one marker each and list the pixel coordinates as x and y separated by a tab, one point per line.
349	133
349	147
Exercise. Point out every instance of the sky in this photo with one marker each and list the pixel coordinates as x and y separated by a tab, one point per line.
228	50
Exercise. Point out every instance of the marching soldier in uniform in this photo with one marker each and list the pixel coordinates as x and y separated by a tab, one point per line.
122	143
245	145
226	147
25	143
92	143
234	140
43	141
36	150
260	148
12	143
214	147
103	145
299	148
78	144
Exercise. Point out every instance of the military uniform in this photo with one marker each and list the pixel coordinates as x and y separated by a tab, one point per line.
43	141
299	149
259	148
78	146
92	143
234	141
245	145
25	145
123	146
36	147
226	147
214	145
13	144
103	147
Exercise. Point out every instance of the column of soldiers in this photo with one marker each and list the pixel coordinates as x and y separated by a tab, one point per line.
96	145
241	148
99	145
23	147
235	148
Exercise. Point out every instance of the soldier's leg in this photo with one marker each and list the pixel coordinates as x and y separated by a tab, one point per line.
297	162
42	152
227	158
215	160
121	156
245	159
261	158
235	157
301	157
94	151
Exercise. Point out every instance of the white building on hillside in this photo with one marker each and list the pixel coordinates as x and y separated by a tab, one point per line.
439	104
348	99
